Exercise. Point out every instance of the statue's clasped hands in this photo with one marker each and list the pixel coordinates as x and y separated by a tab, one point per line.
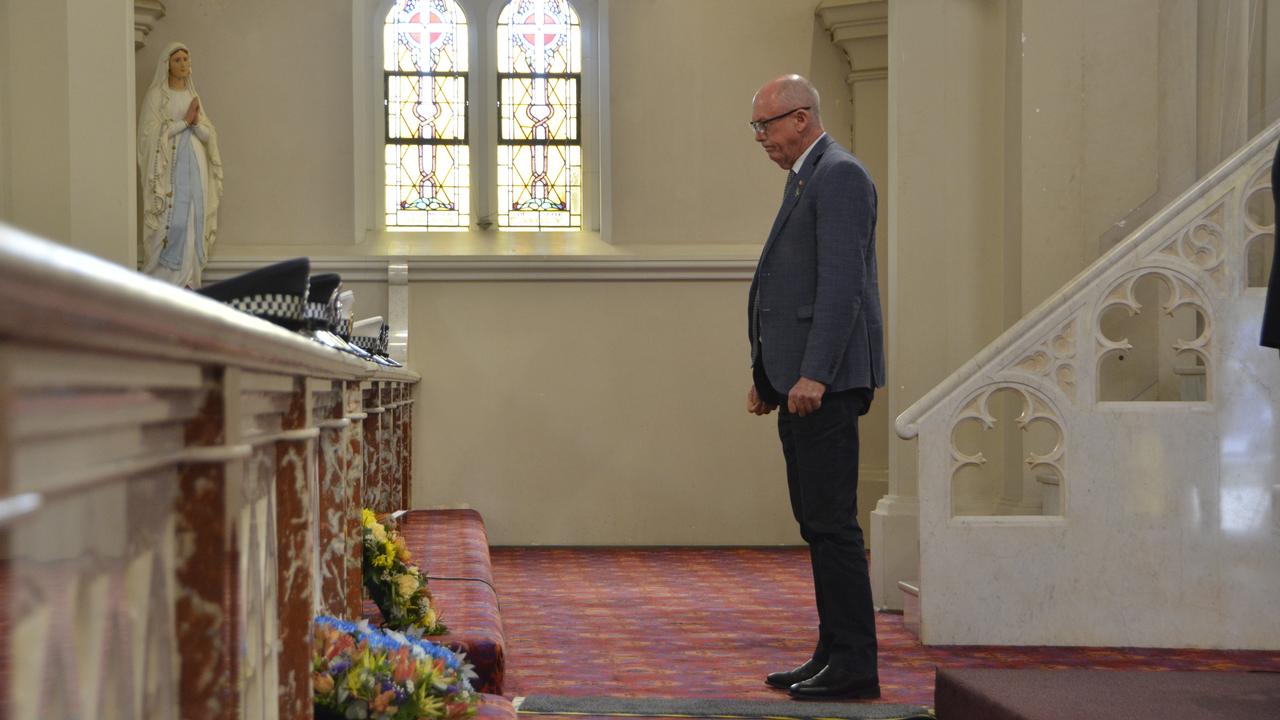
193	112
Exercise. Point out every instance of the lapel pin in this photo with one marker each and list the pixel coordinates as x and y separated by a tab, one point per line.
799	187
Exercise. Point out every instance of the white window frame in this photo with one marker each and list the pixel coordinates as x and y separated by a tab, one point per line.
368	122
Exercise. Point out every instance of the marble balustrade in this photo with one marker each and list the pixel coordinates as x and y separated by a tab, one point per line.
180	487
1164	522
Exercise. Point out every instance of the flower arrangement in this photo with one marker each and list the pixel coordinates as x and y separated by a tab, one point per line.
395	585
363	672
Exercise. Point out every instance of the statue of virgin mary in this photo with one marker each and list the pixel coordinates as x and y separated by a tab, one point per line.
181	173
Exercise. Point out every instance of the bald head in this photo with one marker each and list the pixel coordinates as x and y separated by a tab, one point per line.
793	91
786	114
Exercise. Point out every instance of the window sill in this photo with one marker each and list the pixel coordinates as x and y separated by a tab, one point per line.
505	256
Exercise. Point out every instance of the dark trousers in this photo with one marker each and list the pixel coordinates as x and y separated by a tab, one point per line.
821	452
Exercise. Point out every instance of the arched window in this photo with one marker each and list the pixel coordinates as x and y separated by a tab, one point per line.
539	47
427	156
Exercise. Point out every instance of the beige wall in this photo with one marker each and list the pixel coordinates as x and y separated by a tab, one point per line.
275	78
68	121
594	413
6	129
679	112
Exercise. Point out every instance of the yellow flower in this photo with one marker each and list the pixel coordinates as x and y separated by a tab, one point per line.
367	518
431	706
408	585
379	533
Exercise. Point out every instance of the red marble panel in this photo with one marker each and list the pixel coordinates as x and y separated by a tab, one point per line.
6	601
406	454
386	461
206	572
396	473
355	495
294	581
205	611
374	497
295	584
331	453
333	520
6	617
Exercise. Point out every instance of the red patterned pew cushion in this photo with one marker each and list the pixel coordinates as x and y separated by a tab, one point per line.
452	549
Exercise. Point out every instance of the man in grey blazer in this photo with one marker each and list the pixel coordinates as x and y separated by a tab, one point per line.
817	355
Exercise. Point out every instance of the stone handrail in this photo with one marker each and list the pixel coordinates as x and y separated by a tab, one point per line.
1031	325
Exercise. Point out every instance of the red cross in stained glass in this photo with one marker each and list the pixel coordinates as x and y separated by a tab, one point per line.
547	24
435	26
539	28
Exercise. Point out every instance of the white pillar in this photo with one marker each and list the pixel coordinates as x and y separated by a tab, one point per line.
398	311
69	119
860	28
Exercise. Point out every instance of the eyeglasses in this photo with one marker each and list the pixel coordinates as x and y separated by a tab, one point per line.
759	126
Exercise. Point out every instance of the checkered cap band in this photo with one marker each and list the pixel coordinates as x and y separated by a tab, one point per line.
384	339
365	343
321	312
287	307
343	328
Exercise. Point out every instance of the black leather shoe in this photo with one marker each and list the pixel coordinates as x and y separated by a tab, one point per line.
837	682
784	680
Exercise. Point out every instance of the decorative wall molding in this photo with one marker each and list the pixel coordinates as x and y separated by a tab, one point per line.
146	13
861	29
483	269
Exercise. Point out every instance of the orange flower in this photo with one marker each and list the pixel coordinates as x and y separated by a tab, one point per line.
403	666
339	646
323	683
383	702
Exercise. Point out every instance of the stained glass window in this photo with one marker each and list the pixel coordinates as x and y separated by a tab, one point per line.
539	116
428	163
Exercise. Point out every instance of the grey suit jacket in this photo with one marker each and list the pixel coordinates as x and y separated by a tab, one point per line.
814	304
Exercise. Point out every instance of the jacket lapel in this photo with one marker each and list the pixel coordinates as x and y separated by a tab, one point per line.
802	180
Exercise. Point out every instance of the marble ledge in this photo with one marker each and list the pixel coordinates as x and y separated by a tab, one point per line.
517	257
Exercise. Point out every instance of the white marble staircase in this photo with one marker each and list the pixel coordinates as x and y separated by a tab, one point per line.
1167	525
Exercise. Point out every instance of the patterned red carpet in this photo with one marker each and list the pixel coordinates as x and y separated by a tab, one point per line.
711	622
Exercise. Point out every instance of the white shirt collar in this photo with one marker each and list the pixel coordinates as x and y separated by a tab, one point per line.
795	168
